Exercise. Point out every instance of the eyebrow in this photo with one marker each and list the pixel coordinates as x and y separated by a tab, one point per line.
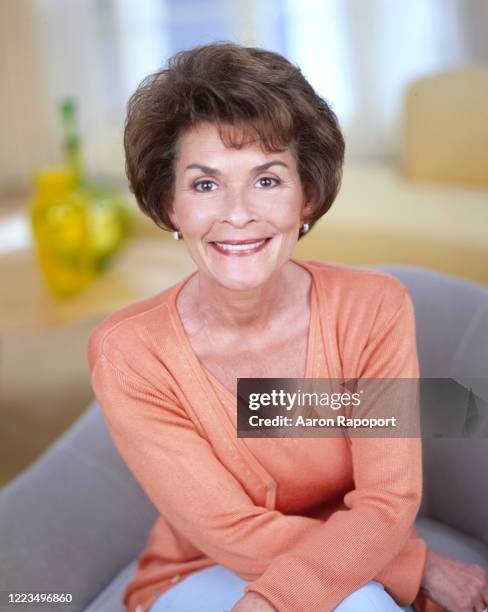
216	172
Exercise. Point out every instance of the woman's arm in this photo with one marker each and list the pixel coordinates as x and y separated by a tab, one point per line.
185	480
356	545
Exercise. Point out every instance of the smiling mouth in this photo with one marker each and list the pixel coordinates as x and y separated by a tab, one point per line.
240	247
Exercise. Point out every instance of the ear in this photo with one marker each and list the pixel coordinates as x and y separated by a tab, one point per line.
172	216
309	203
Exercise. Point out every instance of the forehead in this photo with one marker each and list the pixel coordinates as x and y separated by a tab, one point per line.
203	142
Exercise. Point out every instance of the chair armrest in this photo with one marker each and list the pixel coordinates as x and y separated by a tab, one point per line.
74	518
451	317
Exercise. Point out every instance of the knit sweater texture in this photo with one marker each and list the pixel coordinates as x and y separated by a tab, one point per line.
306	520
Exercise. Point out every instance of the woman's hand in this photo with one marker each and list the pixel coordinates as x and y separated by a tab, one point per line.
253	602
454	585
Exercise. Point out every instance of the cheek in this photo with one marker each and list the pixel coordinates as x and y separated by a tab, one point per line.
286	212
194	217
202	219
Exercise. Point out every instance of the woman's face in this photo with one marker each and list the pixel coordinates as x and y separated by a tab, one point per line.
239	211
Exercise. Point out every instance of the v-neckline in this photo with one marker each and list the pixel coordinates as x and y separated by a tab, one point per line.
211	378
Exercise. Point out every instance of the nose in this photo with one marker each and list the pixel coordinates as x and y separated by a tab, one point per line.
239	210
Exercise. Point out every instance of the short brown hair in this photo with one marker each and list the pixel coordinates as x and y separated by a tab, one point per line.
257	91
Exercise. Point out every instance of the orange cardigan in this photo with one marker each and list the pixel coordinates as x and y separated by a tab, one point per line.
307	521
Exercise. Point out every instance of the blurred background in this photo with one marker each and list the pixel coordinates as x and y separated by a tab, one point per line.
408	80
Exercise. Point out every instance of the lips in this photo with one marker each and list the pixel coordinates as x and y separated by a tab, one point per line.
250	241
240	247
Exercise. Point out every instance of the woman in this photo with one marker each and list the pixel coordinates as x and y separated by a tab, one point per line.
232	150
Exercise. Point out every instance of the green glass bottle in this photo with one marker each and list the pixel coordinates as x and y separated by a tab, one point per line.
109	217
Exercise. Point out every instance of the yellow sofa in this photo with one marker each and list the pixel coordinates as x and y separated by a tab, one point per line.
382	217
430	210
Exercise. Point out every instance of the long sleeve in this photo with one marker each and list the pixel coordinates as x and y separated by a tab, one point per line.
191	488
187	483
353	546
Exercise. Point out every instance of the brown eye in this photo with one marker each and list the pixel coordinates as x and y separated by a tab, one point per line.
205	185
268	181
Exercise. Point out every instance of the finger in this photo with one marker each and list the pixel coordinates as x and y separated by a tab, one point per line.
484	597
479	604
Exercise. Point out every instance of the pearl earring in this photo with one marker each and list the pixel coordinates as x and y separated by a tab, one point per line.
176	235
305	228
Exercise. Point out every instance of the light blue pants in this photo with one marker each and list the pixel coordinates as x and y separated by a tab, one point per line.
217	589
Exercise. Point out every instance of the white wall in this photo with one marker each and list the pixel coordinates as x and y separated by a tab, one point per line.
359	54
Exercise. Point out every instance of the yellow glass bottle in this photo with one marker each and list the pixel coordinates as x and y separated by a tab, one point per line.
60	223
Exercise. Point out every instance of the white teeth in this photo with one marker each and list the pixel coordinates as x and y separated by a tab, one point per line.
240	247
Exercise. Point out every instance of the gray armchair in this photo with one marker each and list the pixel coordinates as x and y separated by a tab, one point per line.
76	520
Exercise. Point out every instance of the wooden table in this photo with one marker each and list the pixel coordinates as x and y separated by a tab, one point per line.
44	375
145	265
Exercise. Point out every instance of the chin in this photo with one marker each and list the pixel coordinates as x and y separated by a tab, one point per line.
240	284
240	280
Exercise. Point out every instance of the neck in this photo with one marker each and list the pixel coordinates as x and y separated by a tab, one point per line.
252	310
